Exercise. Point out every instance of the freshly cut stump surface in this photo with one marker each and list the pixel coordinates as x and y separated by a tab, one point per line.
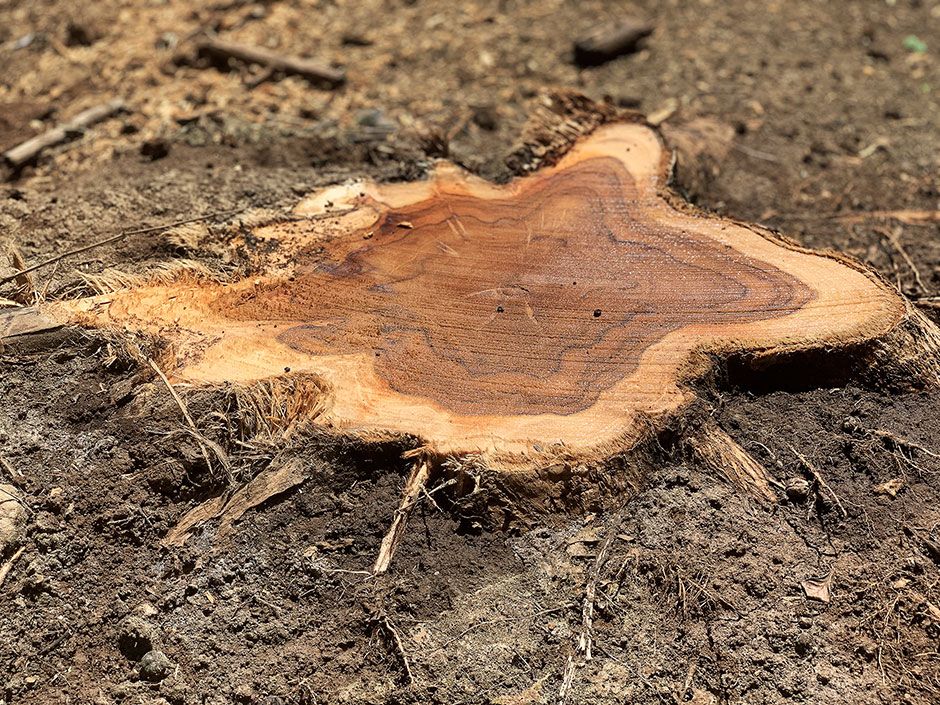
563	310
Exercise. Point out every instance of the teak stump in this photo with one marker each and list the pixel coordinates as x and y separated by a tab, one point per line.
531	330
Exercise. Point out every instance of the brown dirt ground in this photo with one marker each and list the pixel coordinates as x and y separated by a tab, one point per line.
700	600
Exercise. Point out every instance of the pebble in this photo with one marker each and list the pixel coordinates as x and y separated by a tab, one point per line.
797	489
155	666
135	637
12	517
803	643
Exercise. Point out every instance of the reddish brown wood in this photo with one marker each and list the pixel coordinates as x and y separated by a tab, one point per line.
558	315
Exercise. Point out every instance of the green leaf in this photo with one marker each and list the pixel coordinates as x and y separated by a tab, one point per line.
915	44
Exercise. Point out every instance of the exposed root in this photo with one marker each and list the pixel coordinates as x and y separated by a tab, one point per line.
717	450
820	482
414	489
400	648
895	440
585	645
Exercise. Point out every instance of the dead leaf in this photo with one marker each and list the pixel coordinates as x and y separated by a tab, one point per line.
891	487
818	588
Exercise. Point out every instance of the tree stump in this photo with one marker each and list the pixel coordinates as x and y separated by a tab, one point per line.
538	332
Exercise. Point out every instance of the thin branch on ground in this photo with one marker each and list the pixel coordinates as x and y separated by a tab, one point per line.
115	238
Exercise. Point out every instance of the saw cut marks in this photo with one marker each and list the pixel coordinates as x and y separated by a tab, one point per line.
562	308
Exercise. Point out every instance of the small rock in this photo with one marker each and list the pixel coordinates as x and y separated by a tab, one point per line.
866	648
135	637
175	690
12	517
244	694
55	502
155	149
146	609
805	622
45	523
803	643
797	489
155	666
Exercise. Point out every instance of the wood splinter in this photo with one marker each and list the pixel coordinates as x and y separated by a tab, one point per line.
414	488
721	453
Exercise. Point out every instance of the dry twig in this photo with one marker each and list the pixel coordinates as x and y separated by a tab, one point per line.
413	490
308	68
22	153
115	238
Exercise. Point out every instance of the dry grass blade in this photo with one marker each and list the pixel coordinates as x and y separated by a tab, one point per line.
203	442
8	566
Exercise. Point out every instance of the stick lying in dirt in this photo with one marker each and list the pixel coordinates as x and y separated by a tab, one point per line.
115	238
28	150
608	42
308	68
5	569
413	489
